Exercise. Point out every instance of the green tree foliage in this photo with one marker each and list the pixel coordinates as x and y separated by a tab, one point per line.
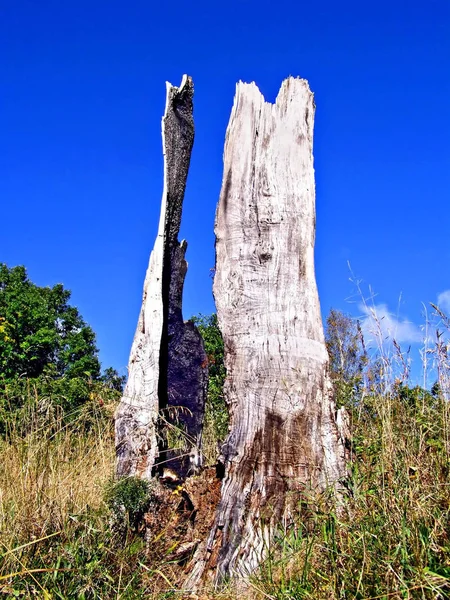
48	354
348	357
112	380
39	330
216	411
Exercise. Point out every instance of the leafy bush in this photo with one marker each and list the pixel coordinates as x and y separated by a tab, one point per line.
128	499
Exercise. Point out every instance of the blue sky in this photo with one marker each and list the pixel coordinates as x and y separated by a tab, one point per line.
82	91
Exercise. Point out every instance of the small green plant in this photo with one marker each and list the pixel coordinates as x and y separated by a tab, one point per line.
128	499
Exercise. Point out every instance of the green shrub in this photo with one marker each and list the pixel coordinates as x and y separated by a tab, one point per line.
128	499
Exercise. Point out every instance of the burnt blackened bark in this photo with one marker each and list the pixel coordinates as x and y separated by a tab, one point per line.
167	376
187	373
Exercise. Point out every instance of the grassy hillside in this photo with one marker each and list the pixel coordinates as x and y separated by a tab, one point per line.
63	533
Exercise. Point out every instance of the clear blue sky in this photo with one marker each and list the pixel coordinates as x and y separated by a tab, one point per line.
82	91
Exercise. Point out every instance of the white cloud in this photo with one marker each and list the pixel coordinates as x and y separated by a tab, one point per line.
443	301
380	326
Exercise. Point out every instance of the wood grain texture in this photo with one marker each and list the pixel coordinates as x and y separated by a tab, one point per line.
167	367
283	436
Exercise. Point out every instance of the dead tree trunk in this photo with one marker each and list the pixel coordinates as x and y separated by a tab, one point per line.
283	434
167	371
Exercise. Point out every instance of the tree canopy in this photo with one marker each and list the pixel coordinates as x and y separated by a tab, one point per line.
347	354
48	356
39	329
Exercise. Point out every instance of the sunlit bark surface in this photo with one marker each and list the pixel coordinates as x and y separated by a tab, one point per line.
283	438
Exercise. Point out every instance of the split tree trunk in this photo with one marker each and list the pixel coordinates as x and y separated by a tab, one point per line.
283	436
167	371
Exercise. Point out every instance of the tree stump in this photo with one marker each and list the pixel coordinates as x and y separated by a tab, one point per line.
283	435
167	371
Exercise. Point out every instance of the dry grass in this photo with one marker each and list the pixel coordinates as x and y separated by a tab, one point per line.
50	474
51	493
389	540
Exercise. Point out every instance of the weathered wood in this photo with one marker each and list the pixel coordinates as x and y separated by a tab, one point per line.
167	372
283	436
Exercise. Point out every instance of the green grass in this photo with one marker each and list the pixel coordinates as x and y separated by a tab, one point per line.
387	536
